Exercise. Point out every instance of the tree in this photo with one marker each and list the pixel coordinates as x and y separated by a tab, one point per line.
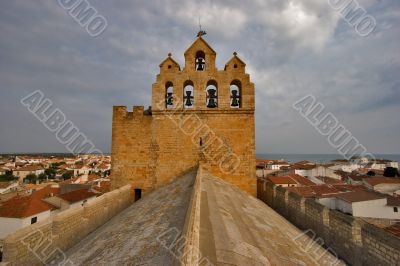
56	165
371	173
31	178
8	177
50	172
42	176
391	172
67	175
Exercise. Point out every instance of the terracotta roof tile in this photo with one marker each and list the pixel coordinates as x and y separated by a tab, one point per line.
282	180
358	196
301	180
21	207
306	192
394	229
30	168
77	195
373	181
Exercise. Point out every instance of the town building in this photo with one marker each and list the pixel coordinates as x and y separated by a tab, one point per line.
22	172
20	212
366	204
385	185
7	187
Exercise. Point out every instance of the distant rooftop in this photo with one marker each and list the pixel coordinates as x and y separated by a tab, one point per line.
359	196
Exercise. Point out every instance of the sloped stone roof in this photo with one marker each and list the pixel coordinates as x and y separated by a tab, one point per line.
226	227
131	237
238	229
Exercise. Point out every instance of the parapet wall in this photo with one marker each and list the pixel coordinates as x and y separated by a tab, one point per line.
46	241
353	240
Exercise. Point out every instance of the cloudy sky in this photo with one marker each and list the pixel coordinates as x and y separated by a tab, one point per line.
292	49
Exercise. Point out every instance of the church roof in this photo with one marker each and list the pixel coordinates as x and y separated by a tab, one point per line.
198	41
225	225
132	237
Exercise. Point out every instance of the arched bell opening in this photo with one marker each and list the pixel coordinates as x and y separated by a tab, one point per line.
169	95
188	94
236	94
200	61
212	94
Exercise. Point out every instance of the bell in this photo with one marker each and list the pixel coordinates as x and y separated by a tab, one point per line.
211	99
200	64
169	98
235	99
188	97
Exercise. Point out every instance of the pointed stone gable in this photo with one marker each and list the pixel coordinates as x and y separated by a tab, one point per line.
170	63
200	44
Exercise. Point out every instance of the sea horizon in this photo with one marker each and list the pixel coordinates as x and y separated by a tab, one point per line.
317	157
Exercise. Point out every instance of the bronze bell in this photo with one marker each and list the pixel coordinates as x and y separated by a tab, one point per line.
188	97
200	64
212	98
235	98
169	98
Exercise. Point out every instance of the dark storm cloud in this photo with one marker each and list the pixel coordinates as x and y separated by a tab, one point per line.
292	48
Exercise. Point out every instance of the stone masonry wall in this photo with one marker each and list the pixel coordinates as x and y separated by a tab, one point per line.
132	148
46	241
352	239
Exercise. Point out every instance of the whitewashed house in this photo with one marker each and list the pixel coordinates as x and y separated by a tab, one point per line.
80	169
276	165
393	164
22	172
312	171
366	204
384	185
20	212
6	187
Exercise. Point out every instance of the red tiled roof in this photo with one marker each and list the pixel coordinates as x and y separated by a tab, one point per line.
104	187
373	181
323	190
358	177
394	229
280	180
21	207
348	188
306	192
29	168
77	195
46	192
301	180
292	179
358	196
329	180
304	166
5	184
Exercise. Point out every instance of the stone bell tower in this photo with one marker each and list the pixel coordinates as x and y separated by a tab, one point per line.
199	115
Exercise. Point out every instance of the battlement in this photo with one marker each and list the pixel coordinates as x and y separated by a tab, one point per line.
121	112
